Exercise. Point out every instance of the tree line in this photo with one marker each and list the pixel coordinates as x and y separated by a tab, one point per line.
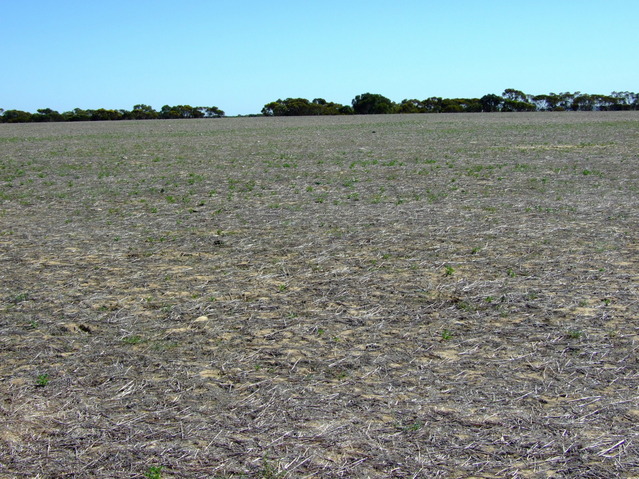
511	100
367	103
139	112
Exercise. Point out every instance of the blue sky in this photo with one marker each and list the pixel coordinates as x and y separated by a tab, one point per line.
241	54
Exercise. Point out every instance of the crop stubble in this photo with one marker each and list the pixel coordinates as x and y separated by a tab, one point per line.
381	296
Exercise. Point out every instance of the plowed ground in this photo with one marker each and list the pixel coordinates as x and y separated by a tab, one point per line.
382	296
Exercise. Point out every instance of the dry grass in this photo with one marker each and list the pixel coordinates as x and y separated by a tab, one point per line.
394	296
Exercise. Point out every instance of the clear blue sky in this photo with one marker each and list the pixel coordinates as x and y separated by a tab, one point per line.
240	54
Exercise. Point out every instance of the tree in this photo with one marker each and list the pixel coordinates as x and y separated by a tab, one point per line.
624	100
566	100
77	114
16	116
516	100
102	114
46	115
549	102
178	112
301	106
346	110
143	112
583	102
410	106
168	112
604	102
451	105
211	111
491	102
273	108
371	104
433	104
471	105
514	95
541	102
554	101
513	105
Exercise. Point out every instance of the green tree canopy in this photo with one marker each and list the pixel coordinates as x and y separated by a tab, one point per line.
211	111
46	115
491	102
16	116
514	95
179	112
143	112
372	103
302	107
511	100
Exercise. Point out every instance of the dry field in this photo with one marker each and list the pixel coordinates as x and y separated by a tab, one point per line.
428	296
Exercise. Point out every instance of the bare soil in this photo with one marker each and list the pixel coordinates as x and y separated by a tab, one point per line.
376	296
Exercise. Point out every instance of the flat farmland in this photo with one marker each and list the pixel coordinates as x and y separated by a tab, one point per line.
426	296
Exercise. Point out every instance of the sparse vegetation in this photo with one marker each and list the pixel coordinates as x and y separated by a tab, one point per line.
337	296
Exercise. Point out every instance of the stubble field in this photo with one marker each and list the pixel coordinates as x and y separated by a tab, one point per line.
383	296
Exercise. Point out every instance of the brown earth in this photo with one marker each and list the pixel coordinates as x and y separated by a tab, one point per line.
380	296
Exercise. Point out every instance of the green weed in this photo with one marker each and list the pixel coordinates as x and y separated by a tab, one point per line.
575	333
446	335
42	380
20	298
269	471
154	472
